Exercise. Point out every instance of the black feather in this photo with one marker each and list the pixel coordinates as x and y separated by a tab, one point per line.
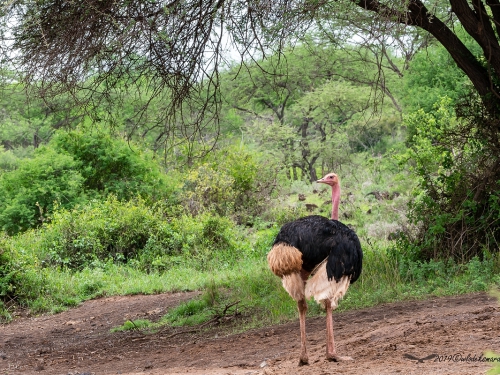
317	238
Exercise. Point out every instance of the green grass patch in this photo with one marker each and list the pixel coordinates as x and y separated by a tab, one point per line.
260	298
189	313
130	325
263	301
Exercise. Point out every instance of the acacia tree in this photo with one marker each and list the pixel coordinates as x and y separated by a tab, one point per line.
273	95
320	116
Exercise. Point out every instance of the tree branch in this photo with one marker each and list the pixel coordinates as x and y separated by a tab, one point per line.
418	15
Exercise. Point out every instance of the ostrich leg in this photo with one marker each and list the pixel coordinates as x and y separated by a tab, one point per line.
331	353
302	306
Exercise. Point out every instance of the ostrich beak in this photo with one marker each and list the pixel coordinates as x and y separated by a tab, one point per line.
330	179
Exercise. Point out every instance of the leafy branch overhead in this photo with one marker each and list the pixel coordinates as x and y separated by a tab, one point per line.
172	52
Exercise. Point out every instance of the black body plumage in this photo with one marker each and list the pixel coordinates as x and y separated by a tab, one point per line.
317	238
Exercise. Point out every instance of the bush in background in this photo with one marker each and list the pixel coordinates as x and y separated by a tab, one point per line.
97	231
455	206
28	193
131	232
74	167
233	182
112	165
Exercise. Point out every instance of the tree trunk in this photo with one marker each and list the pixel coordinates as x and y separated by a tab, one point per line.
476	22
312	169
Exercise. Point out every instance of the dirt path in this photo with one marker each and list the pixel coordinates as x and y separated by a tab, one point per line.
379	339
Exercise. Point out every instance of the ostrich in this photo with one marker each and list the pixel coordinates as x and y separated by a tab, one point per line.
317	257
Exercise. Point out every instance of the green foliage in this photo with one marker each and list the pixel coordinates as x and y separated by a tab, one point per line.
24	122
8	160
97	231
230	182
321	117
441	277
209	188
7	283
74	166
28	194
188	313
203	242
289	77
316	103
110	230
432	75
24	282
78	254
454	217
112	166
231	123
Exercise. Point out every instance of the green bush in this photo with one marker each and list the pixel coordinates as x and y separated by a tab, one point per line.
203	242
81	245
6	276
209	189
229	183
8	161
113	166
21	277
98	231
455	206
73	167
28	194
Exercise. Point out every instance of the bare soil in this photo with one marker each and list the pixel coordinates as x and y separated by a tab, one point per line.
382	340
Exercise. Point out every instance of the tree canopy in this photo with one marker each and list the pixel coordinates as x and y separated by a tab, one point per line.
175	50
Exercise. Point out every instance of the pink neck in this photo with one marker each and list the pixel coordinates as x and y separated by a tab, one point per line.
335	201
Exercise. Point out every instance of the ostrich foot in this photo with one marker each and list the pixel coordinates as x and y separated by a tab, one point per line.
303	361
338	358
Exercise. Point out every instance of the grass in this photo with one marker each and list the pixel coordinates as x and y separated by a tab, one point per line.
129	325
263	301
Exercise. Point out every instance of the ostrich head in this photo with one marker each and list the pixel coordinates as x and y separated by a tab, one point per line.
333	180
330	179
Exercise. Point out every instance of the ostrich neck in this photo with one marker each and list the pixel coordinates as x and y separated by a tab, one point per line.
335	201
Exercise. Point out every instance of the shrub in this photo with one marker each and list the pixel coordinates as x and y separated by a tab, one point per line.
98	231
229	183
209	189
73	167
28	194
6	276
22	281
202	242
113	166
8	161
455	205
133	232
